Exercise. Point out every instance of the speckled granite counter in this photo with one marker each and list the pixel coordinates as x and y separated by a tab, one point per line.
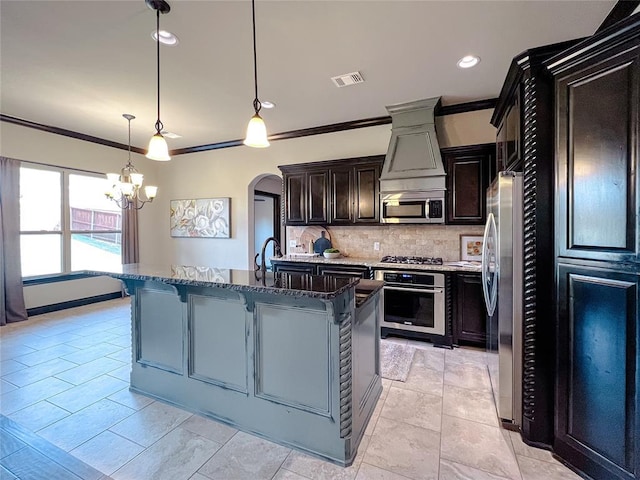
376	263
312	286
293	358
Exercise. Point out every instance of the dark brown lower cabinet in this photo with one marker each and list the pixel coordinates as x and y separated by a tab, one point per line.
470	323
598	399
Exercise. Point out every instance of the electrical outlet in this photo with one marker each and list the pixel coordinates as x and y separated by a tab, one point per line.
376	246
293	244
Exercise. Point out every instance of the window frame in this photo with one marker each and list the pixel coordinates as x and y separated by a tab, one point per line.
65	231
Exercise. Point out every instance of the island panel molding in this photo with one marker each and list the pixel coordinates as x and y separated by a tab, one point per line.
154	328
201	218
217	349
309	356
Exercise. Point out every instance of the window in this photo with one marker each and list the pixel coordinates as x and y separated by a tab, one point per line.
66	222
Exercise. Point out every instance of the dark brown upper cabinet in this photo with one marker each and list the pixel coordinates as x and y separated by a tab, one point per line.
335	192
366	189
341	195
317	197
295	187
467	180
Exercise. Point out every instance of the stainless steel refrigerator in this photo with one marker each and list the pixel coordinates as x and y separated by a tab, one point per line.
502	284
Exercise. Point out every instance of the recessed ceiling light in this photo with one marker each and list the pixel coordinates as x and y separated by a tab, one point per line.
168	134
267	104
468	61
167	38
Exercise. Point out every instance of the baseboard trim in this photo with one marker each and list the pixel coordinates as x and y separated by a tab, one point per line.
73	303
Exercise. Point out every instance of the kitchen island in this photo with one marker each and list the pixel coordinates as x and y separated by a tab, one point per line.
293	358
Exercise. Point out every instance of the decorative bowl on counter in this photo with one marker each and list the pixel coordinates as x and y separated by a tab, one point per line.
331	253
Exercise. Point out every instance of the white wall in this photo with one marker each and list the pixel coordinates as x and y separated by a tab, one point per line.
33	145
219	173
228	173
471	128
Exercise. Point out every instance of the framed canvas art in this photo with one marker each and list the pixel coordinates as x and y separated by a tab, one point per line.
471	248
200	218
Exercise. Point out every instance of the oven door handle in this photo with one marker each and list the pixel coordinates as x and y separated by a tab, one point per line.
415	290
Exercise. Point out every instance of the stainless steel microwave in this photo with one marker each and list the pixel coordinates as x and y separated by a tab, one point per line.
412	207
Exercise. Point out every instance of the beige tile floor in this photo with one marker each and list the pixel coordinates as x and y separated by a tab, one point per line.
64	376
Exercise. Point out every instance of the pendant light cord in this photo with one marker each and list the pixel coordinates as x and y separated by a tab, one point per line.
129	120
256	103
159	125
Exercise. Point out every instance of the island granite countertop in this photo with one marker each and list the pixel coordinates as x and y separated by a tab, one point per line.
293	284
473	267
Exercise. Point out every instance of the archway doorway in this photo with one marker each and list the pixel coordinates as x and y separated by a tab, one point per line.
264	216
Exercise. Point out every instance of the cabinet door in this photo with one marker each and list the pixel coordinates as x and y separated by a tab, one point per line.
341	196
512	135
467	180
295	198
597	152
501	149
598	402
471	317
317	197
366	190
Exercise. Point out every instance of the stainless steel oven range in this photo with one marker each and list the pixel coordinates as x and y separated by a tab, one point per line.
414	300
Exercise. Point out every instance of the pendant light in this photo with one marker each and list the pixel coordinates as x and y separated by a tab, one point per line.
256	130
158	149
124	189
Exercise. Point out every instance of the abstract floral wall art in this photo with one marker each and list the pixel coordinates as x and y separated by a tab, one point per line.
200	218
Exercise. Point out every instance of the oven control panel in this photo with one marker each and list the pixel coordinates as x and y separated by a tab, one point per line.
410	278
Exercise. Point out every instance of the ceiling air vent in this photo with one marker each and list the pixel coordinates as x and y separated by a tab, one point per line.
347	79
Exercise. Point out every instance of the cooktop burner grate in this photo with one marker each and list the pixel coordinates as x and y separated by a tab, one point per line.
412	260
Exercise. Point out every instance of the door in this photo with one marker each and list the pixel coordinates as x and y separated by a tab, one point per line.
266	212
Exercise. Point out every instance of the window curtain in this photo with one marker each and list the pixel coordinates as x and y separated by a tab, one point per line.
130	247
12	308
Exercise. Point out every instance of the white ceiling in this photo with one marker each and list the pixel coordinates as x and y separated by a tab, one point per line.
80	65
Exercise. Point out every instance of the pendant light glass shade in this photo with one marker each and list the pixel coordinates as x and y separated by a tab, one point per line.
256	133
256	130
158	149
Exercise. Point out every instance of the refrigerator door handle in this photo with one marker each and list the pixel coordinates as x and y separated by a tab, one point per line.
490	265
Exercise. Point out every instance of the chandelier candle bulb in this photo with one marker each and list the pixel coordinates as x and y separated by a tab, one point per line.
151	191
127	189
136	179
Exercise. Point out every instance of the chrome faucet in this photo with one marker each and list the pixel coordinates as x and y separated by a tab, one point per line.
277	252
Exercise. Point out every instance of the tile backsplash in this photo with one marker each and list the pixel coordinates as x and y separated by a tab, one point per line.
422	240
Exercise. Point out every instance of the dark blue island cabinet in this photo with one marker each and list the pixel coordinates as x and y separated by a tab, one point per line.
597	253
293	358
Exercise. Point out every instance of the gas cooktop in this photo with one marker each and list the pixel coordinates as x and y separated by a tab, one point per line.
412	260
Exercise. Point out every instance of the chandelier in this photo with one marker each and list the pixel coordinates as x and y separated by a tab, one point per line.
124	188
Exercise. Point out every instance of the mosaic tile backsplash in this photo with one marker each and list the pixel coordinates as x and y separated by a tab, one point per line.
421	240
